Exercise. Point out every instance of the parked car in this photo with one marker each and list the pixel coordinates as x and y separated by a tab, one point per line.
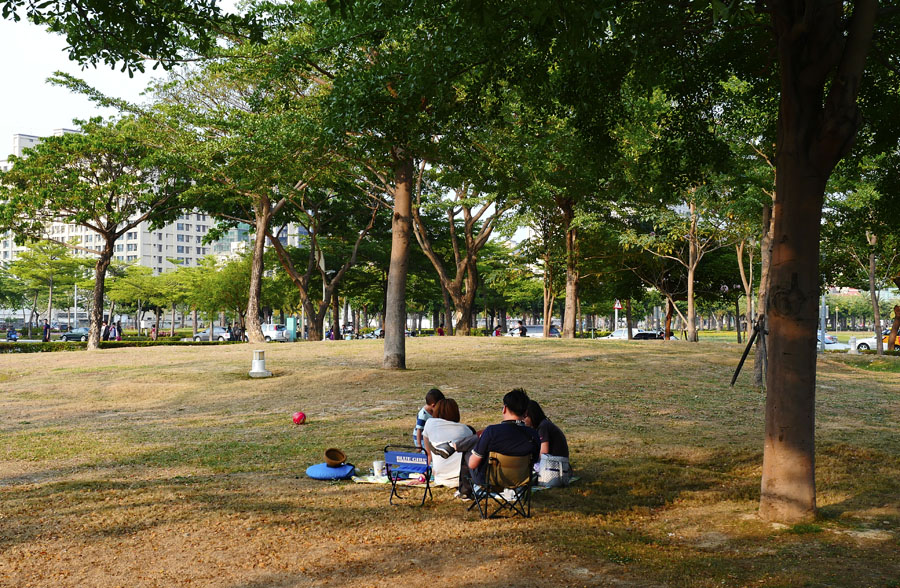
831	342
645	335
870	343
534	331
635	334
219	334
275	332
618	334
79	334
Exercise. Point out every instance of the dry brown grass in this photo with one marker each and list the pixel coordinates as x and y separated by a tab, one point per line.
170	467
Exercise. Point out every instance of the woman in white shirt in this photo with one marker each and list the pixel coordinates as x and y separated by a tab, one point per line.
444	427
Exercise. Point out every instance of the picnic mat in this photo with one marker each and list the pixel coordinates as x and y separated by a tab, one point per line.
373	479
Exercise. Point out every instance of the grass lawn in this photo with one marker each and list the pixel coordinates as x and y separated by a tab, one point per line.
170	467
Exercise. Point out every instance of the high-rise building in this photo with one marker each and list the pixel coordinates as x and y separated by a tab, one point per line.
177	244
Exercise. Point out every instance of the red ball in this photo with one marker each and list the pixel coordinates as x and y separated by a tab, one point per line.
299	418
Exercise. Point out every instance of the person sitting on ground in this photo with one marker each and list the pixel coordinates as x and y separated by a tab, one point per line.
554	469
510	437
444	427
431	398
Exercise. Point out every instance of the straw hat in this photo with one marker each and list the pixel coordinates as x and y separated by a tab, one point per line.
334	457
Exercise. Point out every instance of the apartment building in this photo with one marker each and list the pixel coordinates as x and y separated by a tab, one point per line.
177	244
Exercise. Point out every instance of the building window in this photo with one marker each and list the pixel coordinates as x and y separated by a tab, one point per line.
179	226
199	239
131	258
119	247
131	247
181	249
180	238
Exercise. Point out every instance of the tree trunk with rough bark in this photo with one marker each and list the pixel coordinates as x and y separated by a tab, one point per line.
97	295
263	216
817	57
401	231
570	313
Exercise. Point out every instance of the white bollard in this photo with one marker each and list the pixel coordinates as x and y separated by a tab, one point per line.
853	349
258	367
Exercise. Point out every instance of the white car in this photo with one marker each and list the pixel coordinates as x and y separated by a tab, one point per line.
831	342
534	331
871	343
275	333
623	334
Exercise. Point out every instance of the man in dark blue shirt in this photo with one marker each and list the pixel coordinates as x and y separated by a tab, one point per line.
509	437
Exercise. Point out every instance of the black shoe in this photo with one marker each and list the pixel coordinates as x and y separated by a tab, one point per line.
443	449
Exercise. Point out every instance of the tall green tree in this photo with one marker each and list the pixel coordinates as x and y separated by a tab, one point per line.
104	179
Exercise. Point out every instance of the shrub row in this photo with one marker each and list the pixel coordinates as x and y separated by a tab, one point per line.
38	347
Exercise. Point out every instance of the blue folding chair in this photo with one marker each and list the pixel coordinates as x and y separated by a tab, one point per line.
404	461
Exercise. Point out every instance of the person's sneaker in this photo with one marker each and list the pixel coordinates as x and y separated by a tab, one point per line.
463	497
445	450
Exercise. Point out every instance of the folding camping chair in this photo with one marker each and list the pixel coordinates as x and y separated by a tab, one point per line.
507	487
403	461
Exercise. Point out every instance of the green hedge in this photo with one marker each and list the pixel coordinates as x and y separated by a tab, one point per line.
31	347
895	352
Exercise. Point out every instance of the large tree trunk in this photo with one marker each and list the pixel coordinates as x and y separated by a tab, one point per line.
669	309
570	314
401	231
254	330
765	254
693	261
337	335
97	295
788	478
817	57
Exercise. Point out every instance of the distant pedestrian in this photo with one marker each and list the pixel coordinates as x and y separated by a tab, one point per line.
113	333
153	333
523	332
118	330
440	330
46	338
104	332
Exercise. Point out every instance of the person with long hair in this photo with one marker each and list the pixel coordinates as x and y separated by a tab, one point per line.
444	427
554	466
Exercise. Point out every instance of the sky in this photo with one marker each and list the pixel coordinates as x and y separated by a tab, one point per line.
31	106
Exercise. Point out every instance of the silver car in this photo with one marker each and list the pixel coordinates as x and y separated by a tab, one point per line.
275	333
219	334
